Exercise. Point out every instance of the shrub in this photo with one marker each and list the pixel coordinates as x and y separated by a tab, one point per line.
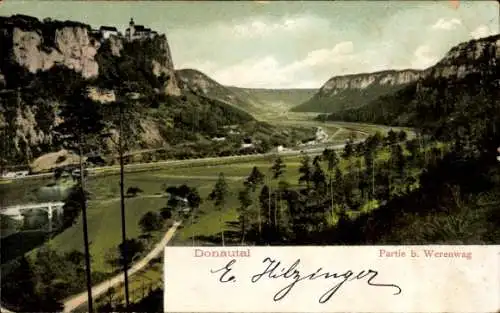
61	159
150	221
133	191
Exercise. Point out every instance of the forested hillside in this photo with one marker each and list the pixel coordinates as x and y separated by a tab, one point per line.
456	89
40	74
356	90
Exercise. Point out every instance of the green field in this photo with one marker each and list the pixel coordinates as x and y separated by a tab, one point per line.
209	222
104	205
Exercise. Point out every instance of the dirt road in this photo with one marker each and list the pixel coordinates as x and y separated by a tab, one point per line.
101	288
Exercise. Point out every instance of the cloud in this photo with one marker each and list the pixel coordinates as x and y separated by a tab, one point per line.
312	71
338	53
444	24
260	72
481	31
258	27
315	67
423	57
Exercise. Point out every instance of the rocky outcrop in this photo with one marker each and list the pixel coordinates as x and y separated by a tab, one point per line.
363	81
39	46
101	95
352	91
116	45
72	47
165	66
34	46
466	58
28	135
465	80
348	91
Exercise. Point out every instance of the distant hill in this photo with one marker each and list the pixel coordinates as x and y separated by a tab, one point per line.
274	100
191	80
459	96
351	91
39	70
252	100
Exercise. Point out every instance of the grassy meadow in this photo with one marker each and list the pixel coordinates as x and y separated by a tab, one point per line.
104	224
207	221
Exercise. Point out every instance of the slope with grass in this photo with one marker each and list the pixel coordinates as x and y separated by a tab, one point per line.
191	80
273	100
256	101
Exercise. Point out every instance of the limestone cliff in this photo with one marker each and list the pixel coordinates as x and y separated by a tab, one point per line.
353	91
363	81
348	91
465	81
466	58
40	45
37	62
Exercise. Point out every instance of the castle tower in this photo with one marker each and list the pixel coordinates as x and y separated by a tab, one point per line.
131	29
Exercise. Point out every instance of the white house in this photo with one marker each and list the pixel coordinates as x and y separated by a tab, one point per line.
107	31
219	139
15	174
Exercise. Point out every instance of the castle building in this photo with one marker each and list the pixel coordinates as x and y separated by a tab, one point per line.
135	32
107	31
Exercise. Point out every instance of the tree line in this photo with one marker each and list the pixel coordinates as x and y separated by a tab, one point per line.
275	210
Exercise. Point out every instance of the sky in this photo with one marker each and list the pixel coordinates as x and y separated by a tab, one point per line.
266	44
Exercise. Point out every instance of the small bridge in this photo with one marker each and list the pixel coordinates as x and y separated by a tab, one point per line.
16	211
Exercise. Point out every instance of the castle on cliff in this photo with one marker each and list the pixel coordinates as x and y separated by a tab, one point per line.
133	32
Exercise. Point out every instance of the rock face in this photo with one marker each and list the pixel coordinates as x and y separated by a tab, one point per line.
28	44
362	81
467	57
38	46
348	91
72	47
352	91
460	82
166	67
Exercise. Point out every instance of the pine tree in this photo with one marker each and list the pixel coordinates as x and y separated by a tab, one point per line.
253	181
331	157
278	168
219	197
306	171
264	203
82	125
123	113
370	169
245	202
318	177
392	137
348	149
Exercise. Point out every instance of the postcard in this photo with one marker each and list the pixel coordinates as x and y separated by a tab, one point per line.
250	156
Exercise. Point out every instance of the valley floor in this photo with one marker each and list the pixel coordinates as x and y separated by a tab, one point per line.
207	221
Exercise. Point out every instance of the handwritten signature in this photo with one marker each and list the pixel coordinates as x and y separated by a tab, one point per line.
275	270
